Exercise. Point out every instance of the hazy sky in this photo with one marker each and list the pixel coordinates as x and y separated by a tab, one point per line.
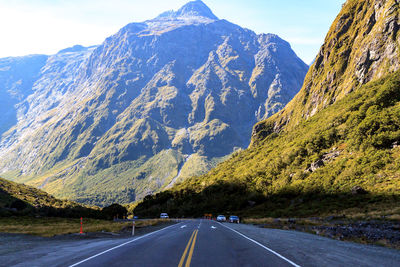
47	26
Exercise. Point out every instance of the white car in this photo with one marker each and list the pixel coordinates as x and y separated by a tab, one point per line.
164	215
221	218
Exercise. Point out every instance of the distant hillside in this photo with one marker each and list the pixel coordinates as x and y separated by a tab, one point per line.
154	104
334	147
19	199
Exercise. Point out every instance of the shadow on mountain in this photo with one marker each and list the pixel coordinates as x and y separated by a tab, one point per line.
21	200
236	198
10	205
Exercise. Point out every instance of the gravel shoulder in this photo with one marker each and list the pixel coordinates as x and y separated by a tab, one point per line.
312	250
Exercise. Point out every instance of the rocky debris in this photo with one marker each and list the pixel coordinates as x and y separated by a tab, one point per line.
395	144
372	231
338	228
315	165
358	190
325	159
331	155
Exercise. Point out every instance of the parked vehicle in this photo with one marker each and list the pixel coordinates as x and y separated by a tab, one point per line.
164	215
221	218
233	219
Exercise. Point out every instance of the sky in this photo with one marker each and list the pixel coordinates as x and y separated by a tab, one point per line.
47	26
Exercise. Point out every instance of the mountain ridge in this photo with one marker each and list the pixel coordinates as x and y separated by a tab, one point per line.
159	98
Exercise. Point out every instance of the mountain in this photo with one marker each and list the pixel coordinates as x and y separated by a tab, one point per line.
154	104
333	149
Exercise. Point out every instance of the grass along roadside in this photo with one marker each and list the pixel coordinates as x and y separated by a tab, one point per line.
52	226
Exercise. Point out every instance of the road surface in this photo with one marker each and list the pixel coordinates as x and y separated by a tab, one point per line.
207	243
192	243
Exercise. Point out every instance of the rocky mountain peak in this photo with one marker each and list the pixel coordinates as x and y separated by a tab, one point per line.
196	8
192	9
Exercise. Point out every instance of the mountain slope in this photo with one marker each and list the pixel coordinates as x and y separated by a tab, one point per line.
19	199
361	46
156	103
17	76
334	147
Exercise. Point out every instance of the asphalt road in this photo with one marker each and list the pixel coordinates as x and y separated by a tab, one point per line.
192	243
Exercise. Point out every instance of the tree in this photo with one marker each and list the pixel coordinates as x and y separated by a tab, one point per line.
113	211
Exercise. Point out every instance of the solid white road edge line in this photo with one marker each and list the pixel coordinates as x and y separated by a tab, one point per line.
261	245
108	250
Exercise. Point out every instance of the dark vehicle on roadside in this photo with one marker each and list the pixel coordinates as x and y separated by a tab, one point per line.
233	219
221	218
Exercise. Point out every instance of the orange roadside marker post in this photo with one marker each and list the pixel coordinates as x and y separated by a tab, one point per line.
81	231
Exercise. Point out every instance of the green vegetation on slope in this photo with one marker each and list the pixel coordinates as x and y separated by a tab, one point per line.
124	182
19	199
313	169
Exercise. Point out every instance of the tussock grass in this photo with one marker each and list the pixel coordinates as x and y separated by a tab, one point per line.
48	227
374	212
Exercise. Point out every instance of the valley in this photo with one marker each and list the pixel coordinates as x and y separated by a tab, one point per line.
189	116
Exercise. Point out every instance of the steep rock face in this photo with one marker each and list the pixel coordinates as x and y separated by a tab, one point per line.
55	81
362	45
17	76
126	118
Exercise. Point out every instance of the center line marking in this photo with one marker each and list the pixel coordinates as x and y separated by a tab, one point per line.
192	237
189	259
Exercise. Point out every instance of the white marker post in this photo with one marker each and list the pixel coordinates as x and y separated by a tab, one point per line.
133	227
